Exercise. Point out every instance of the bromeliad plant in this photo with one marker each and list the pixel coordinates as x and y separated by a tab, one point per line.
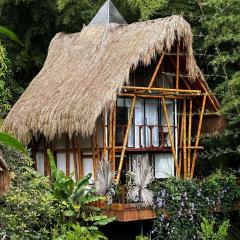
77	217
104	182
142	177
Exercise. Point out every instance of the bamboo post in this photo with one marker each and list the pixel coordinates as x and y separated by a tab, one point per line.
94	156
104	135
170	137
97	144
67	157
125	139
45	157
110	136
184	137
74	156
181	145
198	136
177	67
156	71
34	153
114	137
80	166
189	135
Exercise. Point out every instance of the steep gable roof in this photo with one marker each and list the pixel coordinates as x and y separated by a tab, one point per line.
85	71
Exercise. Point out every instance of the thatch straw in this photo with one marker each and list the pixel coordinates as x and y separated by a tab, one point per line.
4	176
85	71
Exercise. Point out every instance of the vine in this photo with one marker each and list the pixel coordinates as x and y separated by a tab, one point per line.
181	205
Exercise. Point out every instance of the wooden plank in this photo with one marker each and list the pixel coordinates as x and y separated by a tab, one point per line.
189	135
110	130
185	137
180	145
171	137
80	166
198	136
125	139
75	157
156	71
67	156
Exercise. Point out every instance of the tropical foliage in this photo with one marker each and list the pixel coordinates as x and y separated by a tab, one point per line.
181	205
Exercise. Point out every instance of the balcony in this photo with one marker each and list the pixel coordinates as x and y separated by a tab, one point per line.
143	138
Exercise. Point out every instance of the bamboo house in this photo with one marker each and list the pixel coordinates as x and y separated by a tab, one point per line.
117	90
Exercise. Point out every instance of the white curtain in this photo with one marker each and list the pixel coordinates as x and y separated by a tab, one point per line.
170	110
139	120
164	165
151	115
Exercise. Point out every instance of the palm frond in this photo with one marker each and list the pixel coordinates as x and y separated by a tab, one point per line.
142	178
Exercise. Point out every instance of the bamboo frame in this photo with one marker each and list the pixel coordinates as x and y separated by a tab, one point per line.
180	146
184	137
156	71
34	153
45	157
177	67
171	137
126	139
67	157
198	137
110	130
93	156
80	166
114	137
75	156
189	135
104	135
209	96
164	90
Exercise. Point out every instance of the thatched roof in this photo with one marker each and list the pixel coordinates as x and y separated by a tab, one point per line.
4	176
85	71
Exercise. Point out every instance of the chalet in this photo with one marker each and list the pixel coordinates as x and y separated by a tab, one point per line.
117	91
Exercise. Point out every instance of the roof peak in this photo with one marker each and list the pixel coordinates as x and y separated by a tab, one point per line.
108	13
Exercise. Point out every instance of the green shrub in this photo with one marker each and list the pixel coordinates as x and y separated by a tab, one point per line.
28	209
207	230
181	205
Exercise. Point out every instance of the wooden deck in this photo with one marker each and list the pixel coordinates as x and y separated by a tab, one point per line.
127	212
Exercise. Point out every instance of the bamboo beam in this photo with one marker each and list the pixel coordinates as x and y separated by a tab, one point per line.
198	136
171	137
161	89
125	139
209	96
67	157
152	96
184	137
177	68
114	138
156	71
104	135
75	157
189	135
80	166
